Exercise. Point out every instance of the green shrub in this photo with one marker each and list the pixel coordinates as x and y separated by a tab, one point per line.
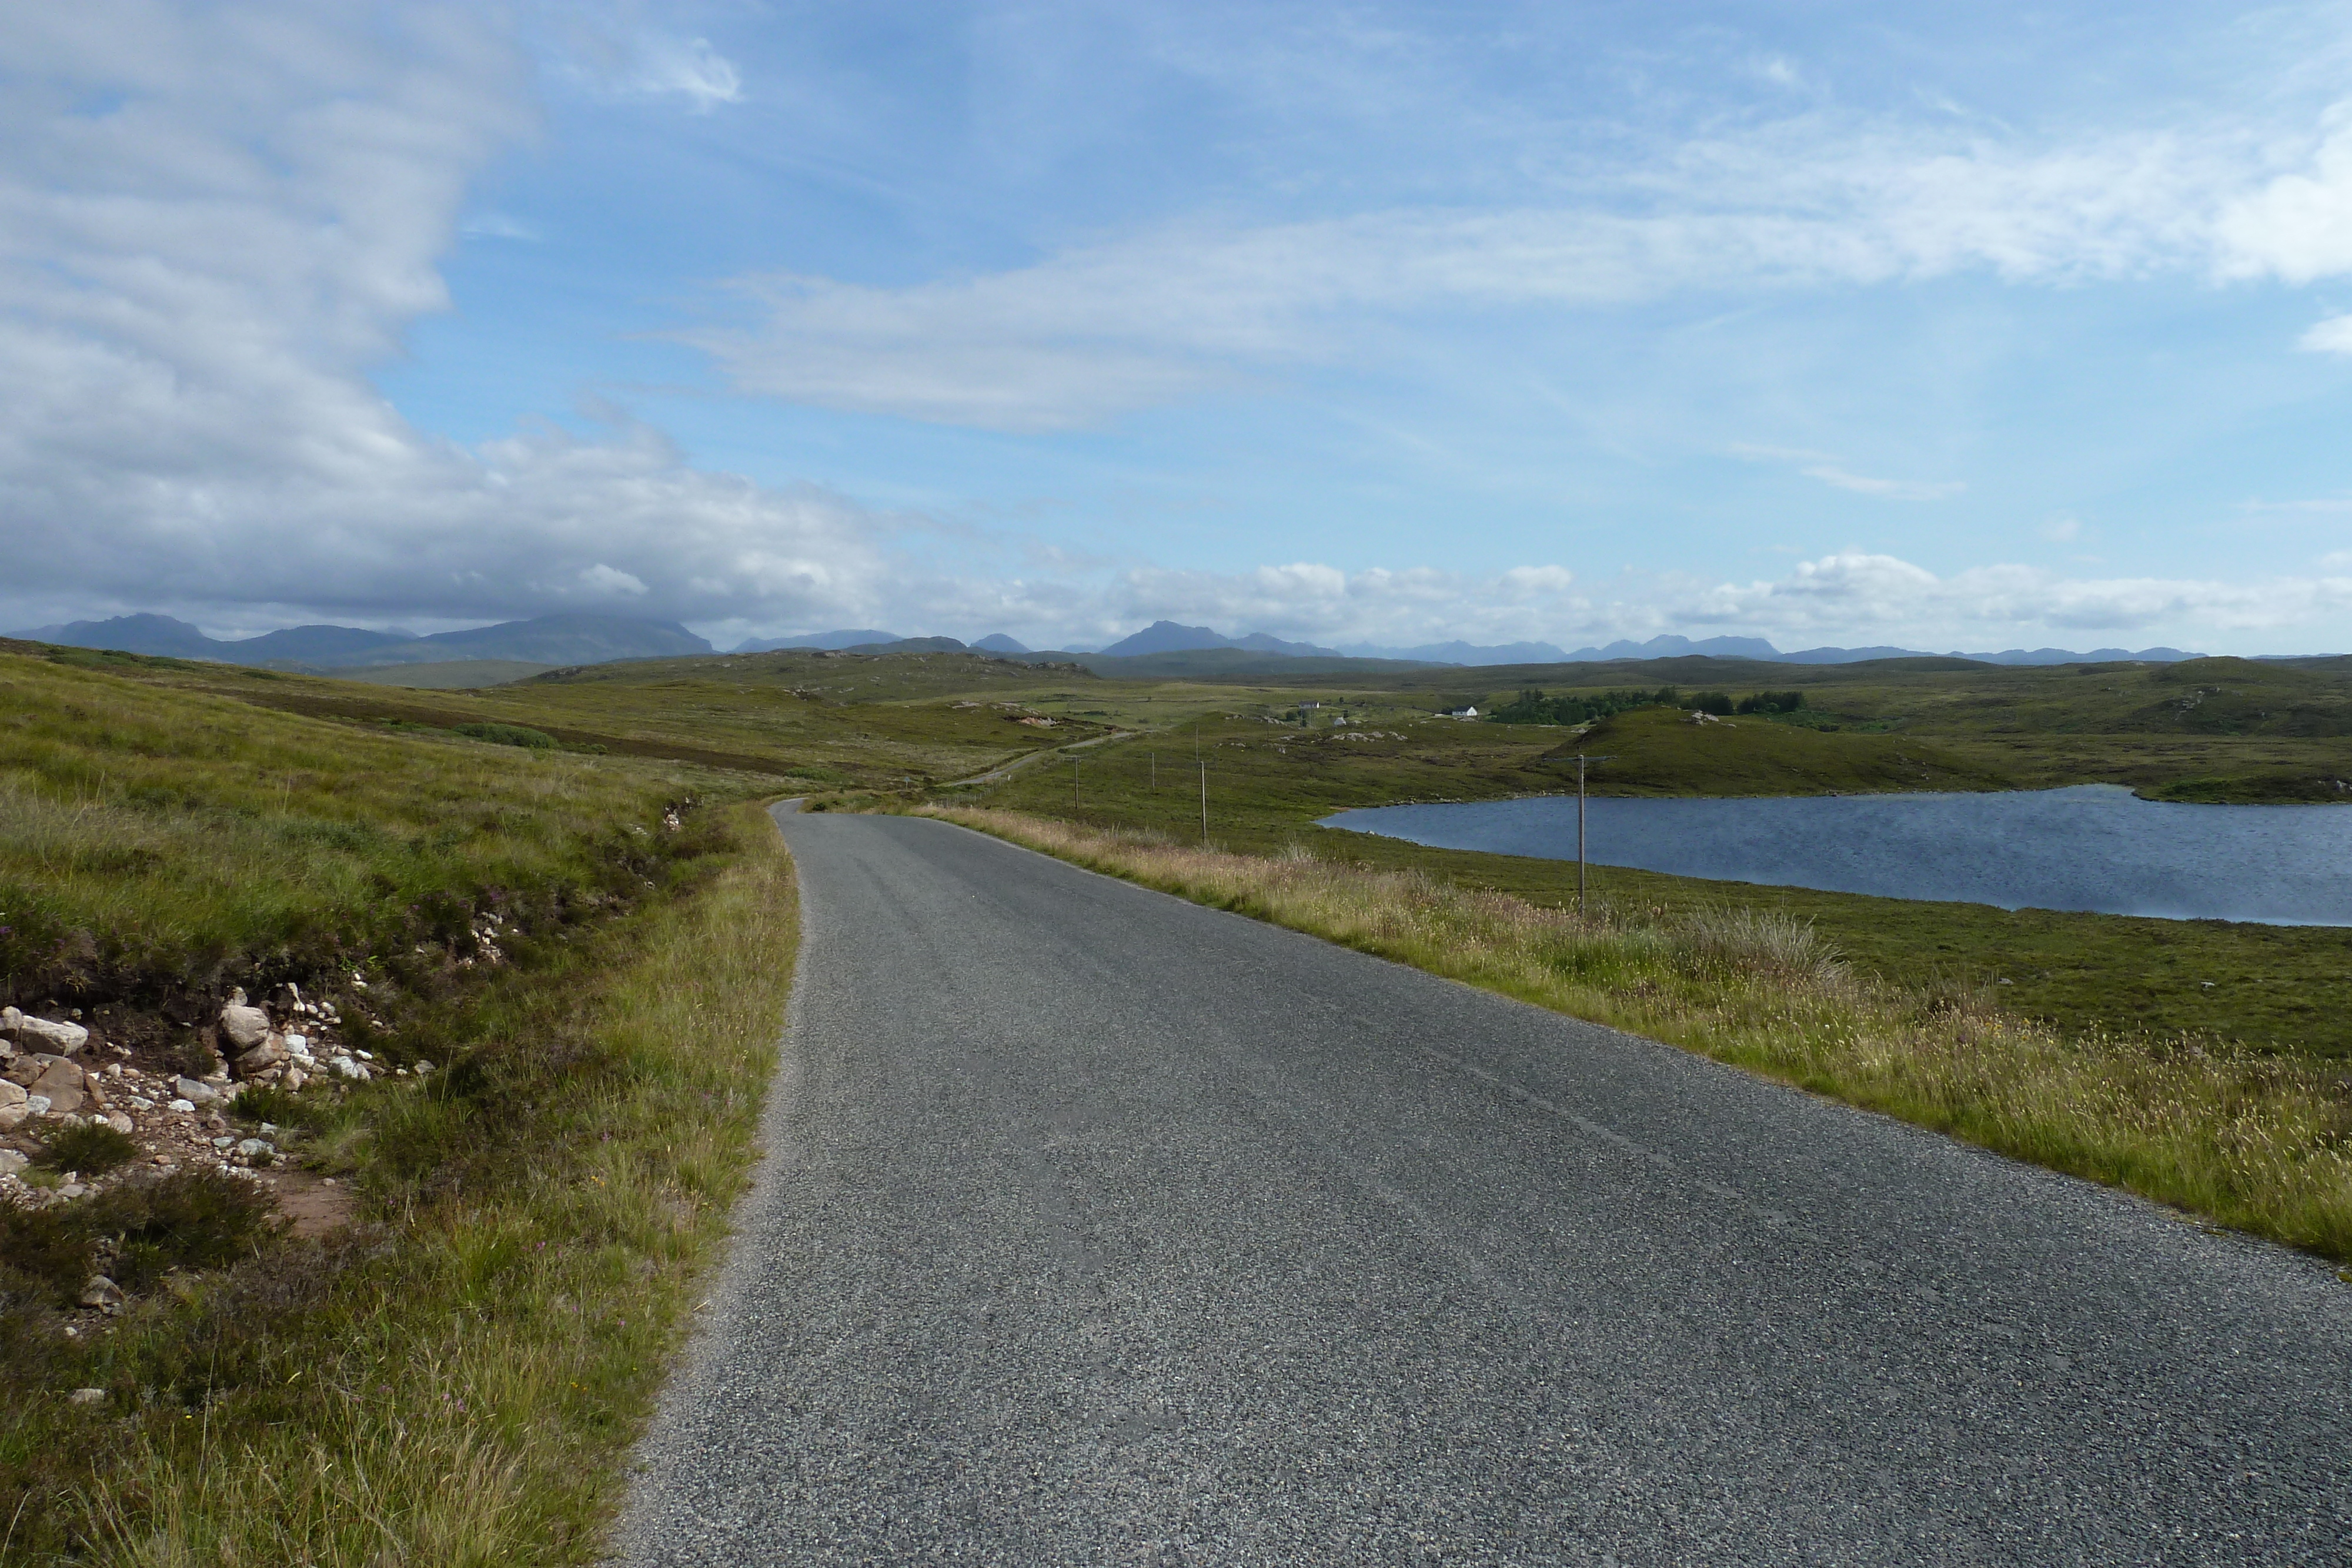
93	1149
507	735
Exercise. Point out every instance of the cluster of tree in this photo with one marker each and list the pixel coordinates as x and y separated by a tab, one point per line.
1721	704
1534	708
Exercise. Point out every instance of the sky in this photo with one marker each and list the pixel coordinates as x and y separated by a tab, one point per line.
1946	326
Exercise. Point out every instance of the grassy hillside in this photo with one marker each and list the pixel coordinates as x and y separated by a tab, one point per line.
371	1339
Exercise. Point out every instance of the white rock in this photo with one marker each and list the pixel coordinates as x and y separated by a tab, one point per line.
299	1042
195	1089
245	1027
72	1189
296	1077
183	1106
140	1102
254	1148
57	1038
223	1143
349	1069
122	1124
37	1104
11	1162
86	1396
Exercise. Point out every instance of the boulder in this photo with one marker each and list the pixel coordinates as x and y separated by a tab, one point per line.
102	1292
122	1124
195	1090
267	1052
11	1162
243	1027
50	1035
13	1117
61	1081
11	1093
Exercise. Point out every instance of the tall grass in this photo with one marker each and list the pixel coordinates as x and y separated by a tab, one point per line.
455	1381
150	837
2258	1142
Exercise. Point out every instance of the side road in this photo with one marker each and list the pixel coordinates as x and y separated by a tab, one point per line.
1098	1226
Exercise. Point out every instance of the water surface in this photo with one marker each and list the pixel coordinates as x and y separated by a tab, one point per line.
2092	847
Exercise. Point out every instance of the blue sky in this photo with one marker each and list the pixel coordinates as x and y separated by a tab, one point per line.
1951	326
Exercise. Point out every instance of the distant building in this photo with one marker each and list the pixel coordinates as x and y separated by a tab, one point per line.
1461	713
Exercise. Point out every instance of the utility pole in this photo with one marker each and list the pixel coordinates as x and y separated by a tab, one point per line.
1581	760
1204	805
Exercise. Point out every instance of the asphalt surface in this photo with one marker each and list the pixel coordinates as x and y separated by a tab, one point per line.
1097	1227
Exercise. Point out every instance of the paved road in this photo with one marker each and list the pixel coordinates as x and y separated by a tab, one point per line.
1101	1228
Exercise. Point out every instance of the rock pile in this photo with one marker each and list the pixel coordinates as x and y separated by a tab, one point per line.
52	1077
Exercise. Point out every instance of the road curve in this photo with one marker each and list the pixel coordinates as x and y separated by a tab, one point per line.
1099	1227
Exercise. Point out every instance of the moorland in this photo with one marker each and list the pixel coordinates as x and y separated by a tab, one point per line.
501	1222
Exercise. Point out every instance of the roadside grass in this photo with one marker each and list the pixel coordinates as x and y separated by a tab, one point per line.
2277	987
153	839
2259	1141
455	1380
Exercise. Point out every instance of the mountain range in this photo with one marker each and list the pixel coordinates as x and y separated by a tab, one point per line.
545	640
587	639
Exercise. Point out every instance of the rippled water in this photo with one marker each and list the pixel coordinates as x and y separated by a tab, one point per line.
2093	847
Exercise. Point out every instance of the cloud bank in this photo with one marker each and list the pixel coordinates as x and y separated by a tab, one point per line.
214	223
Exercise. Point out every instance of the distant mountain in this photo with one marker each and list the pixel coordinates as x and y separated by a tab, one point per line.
1168	637
815	640
547	640
158	635
327	645
2095	656
1673	647
568	639
998	642
910	645
1458	653
1851	656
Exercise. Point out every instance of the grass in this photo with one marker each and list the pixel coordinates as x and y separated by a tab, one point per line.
2282	989
154	841
456	1380
2260	1142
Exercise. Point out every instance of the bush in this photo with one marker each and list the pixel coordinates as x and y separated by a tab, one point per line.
1772	702
1535	707
507	735
189	1219
92	1149
1716	703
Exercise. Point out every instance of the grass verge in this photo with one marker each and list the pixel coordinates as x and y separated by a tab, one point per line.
2257	1140
455	1380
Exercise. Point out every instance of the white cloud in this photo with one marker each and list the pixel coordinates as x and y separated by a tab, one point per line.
497	225
611	582
1091	330
1859	595
689	67
193	284
2333	336
1820	466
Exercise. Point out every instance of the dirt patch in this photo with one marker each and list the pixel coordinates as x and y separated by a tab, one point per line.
313	1204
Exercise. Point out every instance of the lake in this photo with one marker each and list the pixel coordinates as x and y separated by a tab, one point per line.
2092	847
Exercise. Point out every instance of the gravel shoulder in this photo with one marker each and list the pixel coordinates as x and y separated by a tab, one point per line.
1099	1226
